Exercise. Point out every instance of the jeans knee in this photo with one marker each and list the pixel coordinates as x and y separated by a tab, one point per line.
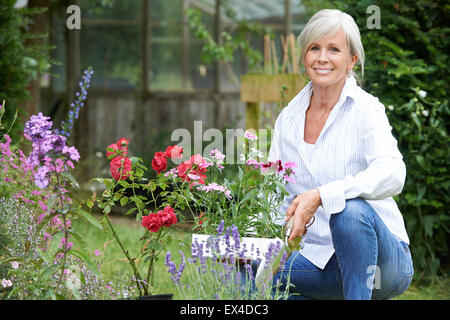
355	213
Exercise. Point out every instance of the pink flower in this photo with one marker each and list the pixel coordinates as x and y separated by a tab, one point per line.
250	136
97	253
6	283
43	206
15	265
290	164
63	244
288	179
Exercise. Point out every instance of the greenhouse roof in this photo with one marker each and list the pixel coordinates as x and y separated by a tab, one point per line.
254	9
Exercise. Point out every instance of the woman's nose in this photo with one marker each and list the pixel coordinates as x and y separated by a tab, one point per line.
323	57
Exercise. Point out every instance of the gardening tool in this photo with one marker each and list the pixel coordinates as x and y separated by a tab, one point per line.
266	270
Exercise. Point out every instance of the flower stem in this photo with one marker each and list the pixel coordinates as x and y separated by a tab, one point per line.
133	265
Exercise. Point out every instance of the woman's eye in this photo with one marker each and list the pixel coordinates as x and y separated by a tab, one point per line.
334	49
314	48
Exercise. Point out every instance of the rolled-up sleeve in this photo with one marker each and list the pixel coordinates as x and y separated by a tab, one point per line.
385	173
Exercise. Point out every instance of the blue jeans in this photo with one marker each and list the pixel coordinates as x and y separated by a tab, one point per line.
369	262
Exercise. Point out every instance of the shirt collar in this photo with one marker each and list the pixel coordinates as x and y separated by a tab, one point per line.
303	98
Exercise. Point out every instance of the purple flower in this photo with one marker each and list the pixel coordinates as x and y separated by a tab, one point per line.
40	179
58	142
236	237
72	152
38	127
220	228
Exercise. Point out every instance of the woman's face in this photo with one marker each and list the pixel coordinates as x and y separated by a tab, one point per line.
328	61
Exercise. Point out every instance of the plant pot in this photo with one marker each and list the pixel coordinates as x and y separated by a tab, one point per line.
167	296
256	250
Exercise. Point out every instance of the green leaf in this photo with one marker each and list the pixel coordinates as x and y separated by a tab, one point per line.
130	211
71	179
85	259
139	172
123	201
421	192
44	222
10	259
90	204
428	223
86	215
420	160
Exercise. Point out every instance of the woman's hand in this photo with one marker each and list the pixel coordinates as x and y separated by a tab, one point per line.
302	208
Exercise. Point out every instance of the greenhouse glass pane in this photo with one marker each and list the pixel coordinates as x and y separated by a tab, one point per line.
166	53
114	52
111	9
166	10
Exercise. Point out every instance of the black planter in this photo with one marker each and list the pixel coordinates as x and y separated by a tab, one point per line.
167	296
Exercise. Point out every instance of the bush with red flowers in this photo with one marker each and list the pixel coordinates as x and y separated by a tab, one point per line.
196	185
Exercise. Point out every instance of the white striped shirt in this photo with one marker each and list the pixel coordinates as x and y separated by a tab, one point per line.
354	156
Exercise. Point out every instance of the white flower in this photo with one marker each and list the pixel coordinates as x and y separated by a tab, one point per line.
15	265
425	113
390	107
422	93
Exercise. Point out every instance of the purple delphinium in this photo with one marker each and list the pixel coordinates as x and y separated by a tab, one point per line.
74	110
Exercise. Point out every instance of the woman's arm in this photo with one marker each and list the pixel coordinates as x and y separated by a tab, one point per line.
385	173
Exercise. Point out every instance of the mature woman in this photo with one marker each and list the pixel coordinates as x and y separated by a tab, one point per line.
349	168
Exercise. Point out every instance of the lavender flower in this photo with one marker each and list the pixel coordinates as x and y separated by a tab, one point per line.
220	228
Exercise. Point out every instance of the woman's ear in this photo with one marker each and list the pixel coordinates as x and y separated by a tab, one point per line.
352	62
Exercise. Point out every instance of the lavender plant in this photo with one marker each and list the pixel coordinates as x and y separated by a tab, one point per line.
223	274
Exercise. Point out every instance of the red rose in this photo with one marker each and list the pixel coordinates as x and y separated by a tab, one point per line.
121	146
123	143
174	152
152	222
191	166
113	146
159	162
167	216
184	169
120	168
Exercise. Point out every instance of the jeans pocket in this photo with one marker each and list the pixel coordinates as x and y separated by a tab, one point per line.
402	287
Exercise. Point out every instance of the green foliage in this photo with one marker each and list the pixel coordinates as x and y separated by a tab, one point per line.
226	48
407	68
20	61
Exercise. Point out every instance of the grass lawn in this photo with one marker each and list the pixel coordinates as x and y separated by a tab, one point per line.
130	231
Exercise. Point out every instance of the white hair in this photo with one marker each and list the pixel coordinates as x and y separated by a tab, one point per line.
327	22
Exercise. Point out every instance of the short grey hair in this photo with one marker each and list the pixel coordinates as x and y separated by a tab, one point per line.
328	22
